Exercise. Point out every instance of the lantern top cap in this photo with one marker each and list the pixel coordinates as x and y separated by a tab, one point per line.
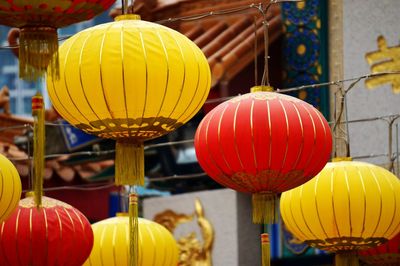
127	17
342	159
262	88
122	214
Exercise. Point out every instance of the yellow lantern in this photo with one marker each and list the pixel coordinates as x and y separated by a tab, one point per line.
129	80
157	246
348	206
10	188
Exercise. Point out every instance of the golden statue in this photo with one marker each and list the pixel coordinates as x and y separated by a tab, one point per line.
193	252
385	59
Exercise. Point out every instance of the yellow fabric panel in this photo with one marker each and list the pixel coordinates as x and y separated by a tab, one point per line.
10	188
346	199
129	74
111	244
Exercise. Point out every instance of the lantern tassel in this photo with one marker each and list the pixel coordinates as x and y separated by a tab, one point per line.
346	259
37	46
38	146
264	208
133	229
126	171
265	250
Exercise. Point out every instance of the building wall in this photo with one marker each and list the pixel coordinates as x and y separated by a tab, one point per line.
363	22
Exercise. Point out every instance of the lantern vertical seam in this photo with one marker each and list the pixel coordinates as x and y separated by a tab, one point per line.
365	200
380	196
316	204
211	154
123	77
302	213
333	202
6	212
147	75
311	154
270	136
234	138
81	80
66	84
168	74
153	262
47	235
198	53
221	151
287	136
141	256
30	260
300	150
16	237
61	235
101	244
2	246
57	96
165	253
293	218
184	73
72	222
346	178
395	206
113	245
325	136
252	142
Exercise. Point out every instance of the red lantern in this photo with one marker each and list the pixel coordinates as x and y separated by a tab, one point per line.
38	21
386	254
53	234
263	143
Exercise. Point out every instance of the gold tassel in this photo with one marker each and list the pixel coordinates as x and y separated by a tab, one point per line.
37	46
346	259
264	208
129	163
38	146
265	250
133	229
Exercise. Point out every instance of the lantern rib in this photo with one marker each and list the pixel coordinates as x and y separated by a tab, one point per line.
300	150
287	139
58	98
365	200
270	142
212	160
315	140
30	235
126	241
165	253
316	205
102	243
123	78
72	222
252	138
16	238
196	90
154	248
302	213
293	218
47	235
333	202
184	74
1	195
147	75
346	177
2	246
380	196
395	207
66	84
167	74
234	137
141	257
61	235
114	235
101	76
221	150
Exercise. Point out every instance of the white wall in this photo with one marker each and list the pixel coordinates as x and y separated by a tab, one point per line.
363	22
